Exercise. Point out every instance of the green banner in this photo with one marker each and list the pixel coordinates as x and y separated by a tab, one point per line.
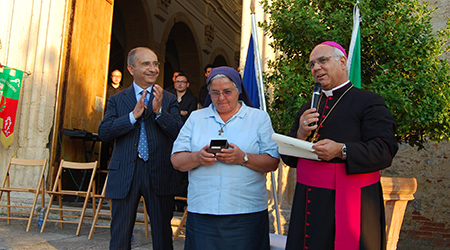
10	85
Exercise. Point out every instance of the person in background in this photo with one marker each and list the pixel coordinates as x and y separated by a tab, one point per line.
187	103
186	100
143	120
227	195
338	201
113	88
171	88
204	90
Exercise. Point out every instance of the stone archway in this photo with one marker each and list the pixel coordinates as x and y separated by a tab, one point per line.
182	52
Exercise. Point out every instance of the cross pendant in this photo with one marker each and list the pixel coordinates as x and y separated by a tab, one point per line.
220	131
315	137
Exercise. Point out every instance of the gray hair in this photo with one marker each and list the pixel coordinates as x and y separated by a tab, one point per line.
222	76
337	54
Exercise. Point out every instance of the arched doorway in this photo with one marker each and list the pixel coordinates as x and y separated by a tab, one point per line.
181	53
220	61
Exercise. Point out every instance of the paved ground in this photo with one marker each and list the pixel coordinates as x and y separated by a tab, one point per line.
13	236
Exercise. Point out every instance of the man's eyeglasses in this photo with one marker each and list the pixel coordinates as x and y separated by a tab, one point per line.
180	81
226	92
320	61
148	64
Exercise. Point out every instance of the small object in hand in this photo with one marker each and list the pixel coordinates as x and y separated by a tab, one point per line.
216	145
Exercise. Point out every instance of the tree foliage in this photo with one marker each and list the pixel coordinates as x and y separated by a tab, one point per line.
399	54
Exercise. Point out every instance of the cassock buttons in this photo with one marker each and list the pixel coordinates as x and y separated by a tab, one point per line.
309	201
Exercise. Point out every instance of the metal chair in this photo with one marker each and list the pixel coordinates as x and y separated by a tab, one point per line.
59	192
14	175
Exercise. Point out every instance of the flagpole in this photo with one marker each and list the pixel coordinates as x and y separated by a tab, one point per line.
262	99
263	103
354	55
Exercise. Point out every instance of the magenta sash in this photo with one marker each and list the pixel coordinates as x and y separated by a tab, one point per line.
348	196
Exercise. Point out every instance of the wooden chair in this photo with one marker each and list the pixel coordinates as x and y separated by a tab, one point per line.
180	226
99	212
59	192
14	175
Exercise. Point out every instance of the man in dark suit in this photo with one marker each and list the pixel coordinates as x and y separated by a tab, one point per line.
140	165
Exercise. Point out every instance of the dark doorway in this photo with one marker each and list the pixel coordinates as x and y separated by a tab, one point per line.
220	61
182	54
117	58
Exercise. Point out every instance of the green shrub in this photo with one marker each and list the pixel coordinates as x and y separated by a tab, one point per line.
399	60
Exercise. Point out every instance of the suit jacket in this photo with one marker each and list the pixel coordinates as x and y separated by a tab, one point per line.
161	134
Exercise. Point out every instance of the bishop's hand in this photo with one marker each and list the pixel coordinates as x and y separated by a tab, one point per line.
309	116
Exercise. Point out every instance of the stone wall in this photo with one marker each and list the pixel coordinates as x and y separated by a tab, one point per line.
427	217
440	18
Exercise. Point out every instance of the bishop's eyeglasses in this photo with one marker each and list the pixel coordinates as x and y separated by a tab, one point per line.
321	61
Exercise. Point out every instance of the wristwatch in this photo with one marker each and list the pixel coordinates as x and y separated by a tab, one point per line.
245	159
159	111
344	152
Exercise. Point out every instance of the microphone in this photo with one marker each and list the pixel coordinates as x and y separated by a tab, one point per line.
315	98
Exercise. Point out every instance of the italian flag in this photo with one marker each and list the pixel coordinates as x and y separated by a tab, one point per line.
354	56
10	85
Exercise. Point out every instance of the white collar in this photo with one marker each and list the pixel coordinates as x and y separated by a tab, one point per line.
138	89
329	93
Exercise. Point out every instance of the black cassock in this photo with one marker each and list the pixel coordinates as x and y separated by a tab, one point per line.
361	120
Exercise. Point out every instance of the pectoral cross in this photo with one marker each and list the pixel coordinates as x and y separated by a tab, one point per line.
315	136
221	131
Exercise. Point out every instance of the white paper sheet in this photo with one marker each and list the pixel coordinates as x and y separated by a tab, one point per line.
295	147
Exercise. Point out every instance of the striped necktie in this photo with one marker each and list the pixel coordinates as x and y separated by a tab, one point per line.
143	144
